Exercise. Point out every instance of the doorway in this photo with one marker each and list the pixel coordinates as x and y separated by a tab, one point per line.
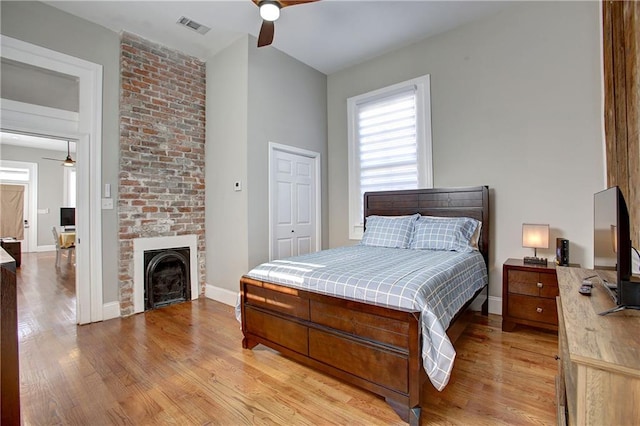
85	126
294	201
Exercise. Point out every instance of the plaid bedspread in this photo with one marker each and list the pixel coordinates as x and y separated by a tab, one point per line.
437	283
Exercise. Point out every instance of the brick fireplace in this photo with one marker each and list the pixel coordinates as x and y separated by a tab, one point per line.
161	186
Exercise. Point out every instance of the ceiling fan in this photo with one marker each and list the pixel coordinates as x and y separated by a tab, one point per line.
67	162
270	12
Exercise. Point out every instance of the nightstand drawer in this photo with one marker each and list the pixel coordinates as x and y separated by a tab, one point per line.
533	308
538	284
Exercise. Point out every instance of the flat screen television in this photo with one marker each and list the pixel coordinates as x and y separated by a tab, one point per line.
612	244
67	216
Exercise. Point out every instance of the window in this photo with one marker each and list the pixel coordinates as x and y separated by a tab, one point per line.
69	189
389	143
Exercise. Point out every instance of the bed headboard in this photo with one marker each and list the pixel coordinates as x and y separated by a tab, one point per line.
469	201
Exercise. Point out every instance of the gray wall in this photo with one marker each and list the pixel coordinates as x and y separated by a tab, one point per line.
254	96
46	26
225	162
516	105
50	186
287	105
33	85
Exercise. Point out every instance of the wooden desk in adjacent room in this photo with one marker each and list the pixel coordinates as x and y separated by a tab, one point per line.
598	379
67	239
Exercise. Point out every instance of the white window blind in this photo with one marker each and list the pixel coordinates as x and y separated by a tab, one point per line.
389	143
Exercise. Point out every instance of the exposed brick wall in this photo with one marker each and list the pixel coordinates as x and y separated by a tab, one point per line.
162	135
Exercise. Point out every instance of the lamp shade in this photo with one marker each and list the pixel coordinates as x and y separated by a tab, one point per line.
535	236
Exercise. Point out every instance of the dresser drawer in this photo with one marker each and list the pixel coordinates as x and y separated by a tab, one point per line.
533	308
539	284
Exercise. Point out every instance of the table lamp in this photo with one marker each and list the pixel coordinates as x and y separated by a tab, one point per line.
535	236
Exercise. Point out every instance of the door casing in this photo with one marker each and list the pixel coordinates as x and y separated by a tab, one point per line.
315	156
88	131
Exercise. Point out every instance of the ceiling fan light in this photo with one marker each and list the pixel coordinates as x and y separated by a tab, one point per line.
269	10
68	162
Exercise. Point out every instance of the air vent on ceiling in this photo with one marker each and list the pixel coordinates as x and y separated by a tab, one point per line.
193	25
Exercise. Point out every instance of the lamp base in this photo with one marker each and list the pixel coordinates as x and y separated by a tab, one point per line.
535	260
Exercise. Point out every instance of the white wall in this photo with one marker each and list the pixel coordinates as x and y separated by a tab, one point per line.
516	105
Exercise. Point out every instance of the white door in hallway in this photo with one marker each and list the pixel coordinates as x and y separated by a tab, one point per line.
24	174
293	203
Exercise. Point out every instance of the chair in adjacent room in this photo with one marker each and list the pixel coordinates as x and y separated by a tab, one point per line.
70	250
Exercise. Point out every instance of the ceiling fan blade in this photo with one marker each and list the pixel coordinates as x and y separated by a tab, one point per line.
285	3
67	161
267	30
266	33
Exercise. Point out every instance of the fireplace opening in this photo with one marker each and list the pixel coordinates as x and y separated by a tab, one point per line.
166	277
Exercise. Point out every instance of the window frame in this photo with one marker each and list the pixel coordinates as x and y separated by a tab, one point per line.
422	86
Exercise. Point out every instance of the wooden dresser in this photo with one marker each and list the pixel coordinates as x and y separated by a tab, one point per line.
9	375
598	379
529	295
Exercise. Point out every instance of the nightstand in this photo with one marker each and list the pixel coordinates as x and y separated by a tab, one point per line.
529	295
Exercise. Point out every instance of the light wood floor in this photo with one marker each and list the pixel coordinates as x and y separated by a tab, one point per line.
184	364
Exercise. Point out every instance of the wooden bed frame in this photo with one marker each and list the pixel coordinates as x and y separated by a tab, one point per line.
375	347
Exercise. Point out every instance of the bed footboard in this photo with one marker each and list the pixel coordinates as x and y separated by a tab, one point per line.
374	347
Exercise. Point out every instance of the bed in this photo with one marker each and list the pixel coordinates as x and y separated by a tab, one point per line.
374	343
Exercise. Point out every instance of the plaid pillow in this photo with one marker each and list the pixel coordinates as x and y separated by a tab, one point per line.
440	233
389	231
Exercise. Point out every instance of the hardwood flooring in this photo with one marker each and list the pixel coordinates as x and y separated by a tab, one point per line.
184	364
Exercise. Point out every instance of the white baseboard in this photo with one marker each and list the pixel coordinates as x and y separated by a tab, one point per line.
223	295
110	310
495	305
40	249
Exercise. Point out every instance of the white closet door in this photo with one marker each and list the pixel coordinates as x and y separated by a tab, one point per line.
293	204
